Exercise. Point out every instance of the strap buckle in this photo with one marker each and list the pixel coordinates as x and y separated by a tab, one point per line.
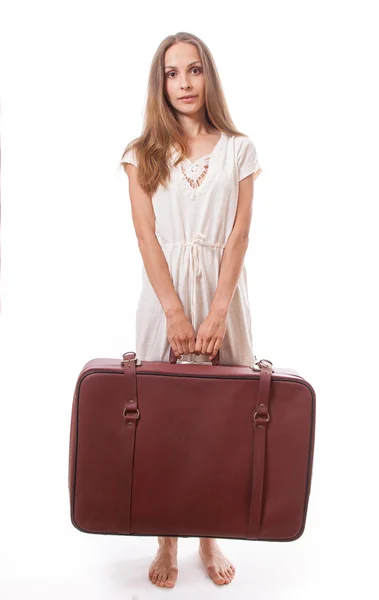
261	415
127	413
124	360
264	362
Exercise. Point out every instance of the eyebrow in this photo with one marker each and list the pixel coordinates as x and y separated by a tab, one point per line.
192	63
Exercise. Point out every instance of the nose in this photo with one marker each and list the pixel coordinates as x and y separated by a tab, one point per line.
184	82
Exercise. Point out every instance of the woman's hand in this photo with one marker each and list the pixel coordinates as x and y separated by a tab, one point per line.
210	334
180	333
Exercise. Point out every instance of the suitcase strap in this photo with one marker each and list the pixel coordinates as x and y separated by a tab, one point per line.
260	420
131	415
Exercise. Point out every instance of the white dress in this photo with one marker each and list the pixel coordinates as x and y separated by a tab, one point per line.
192	226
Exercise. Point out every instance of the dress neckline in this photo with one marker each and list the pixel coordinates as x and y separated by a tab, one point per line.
206	168
186	159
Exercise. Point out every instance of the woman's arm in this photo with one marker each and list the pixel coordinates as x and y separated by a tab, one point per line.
152	254
235	249
213	329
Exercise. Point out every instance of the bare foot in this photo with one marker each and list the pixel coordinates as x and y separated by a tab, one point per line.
164	568
219	568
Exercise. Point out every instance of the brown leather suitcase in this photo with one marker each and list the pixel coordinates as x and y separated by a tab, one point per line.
179	449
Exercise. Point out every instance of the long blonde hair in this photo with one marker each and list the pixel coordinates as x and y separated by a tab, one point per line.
161	128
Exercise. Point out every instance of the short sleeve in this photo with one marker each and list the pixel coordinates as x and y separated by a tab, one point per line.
130	157
247	158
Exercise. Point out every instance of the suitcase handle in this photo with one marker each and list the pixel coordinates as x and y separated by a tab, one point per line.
173	359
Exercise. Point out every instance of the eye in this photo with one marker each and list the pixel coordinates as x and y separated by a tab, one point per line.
169	73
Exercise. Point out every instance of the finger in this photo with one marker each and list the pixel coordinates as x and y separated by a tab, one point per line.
191	346
179	348
215	350
204	346
210	346
198	345
177	353
174	348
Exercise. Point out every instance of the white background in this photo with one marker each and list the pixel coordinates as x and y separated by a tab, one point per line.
301	79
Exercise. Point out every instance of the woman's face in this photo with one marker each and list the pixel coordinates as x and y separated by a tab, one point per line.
184	76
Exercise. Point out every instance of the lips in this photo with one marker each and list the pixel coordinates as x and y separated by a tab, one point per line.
184	97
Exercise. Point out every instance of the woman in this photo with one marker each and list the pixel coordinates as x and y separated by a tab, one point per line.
191	177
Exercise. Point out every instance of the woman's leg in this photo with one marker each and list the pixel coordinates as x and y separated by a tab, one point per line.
219	568
164	568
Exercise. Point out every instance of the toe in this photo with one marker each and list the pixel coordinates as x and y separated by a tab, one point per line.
171	579
221	578
225	575
170	582
216	575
